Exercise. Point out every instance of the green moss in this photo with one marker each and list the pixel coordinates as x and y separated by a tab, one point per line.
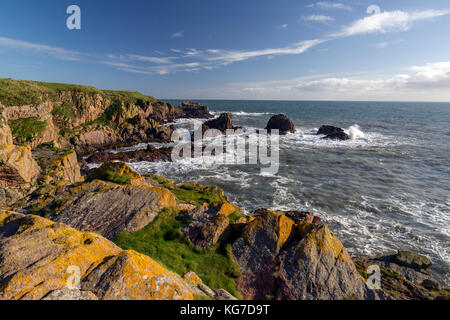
115	177
191	192
236	215
201	297
26	129
163	241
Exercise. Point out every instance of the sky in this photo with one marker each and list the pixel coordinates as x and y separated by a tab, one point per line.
375	50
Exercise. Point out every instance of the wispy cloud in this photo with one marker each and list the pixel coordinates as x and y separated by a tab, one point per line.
318	18
330	5
55	52
284	26
389	21
227	57
178	34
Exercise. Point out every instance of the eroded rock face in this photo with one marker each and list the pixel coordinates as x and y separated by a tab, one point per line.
282	259
333	133
282	123
38	258
104	207
319	267
57	165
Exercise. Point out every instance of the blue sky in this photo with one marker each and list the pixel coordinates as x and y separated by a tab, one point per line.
249	49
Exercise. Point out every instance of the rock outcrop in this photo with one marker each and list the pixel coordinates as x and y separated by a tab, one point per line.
103	206
150	154
40	259
284	260
222	123
194	110
333	133
282	123
404	276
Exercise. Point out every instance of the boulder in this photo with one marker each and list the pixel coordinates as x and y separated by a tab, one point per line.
222	123
207	225
333	133
40	258
282	123
412	260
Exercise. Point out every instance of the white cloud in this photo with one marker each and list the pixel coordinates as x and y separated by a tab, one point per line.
318	18
382	44
329	5
284	26
227	57
178	34
389	21
430	82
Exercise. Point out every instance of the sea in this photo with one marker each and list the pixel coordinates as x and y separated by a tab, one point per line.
385	189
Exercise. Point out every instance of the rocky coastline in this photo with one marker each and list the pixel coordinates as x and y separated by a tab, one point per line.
133	236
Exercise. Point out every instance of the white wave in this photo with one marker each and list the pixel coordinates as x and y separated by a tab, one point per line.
243	113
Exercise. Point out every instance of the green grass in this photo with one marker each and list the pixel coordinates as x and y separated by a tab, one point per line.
163	241
23	92
25	129
190	192
115	177
63	114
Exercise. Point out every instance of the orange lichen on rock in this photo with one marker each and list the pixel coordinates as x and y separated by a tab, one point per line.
40	256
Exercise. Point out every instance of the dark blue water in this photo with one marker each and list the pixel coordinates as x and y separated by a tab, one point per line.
388	188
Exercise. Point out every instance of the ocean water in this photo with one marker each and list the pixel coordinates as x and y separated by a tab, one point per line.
387	188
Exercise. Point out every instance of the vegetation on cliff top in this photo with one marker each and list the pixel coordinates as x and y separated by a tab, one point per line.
164	241
24	92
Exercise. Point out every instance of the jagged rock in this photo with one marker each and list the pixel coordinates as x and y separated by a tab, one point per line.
18	173
104	207
303	217
150	154
39	257
334	133
57	165
207	225
222	294
194	110
394	284
256	252
412	260
319	267
222	123
70	294
431	284
282	123
284	260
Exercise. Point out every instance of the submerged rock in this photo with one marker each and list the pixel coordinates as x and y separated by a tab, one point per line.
282	123
334	133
